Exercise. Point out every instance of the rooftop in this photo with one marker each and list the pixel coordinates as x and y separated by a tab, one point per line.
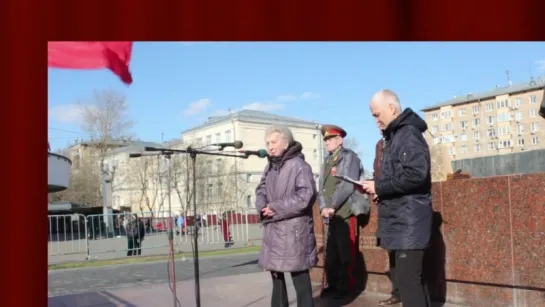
536	84
252	115
136	146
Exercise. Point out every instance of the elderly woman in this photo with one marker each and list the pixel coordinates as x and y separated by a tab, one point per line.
284	199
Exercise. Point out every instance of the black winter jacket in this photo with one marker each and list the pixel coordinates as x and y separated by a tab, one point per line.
404	185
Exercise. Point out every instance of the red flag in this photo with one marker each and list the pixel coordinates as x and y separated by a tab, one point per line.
115	56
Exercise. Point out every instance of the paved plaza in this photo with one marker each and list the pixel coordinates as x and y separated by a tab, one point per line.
227	281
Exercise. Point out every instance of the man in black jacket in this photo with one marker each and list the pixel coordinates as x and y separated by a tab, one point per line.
403	188
135	236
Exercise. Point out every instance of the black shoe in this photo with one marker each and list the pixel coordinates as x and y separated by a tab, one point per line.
328	292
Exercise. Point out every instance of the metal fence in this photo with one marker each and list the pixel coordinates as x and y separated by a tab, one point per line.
78	237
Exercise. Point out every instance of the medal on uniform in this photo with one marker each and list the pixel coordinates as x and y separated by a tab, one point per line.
333	171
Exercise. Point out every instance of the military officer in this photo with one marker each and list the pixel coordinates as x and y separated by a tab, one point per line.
340	203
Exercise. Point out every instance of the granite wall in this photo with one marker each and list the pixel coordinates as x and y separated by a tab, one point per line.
488	251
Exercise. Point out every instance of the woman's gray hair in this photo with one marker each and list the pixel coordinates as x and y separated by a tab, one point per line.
284	131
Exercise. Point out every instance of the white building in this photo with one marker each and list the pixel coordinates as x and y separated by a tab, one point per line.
223	183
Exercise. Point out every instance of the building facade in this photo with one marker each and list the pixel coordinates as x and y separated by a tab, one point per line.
502	121
223	183
238	178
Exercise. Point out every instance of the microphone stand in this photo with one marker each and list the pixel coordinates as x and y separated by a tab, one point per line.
193	154
170	233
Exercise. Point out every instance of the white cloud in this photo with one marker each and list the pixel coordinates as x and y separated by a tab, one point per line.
286	98
541	65
197	107
263	106
309	95
66	113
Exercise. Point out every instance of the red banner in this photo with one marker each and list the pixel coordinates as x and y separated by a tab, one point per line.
115	56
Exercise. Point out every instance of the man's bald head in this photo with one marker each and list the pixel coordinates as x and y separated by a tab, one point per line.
385	107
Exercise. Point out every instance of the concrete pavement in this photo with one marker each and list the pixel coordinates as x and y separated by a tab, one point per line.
242	290
226	281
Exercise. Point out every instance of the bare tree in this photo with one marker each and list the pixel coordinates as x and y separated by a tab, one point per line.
352	143
146	175
106	120
215	183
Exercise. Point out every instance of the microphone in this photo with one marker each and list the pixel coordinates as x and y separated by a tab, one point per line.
262	153
236	144
135	155
148	148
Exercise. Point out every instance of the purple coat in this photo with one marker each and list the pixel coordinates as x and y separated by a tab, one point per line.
288	188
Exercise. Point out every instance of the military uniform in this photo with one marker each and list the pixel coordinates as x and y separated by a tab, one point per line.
341	246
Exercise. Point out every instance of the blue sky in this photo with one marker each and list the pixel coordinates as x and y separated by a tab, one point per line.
178	85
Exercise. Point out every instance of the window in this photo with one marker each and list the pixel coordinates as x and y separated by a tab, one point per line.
533	113
491	146
477	147
505	144
535	140
433	116
463	136
463	124
502	104
446	114
249	201
476	122
447	127
228	136
210	191
462	112
491	133
490	120
436	140
504	130
434	129
248	178
489	107
218	165
533	99
518	116
452	151
503	117
521	142
476	109
219	190
463	149
315	154
534	127
447	138
518	101
476	135
208	140
218	137
520	129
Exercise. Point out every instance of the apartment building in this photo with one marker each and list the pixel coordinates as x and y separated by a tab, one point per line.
88	150
249	127
223	183
501	121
